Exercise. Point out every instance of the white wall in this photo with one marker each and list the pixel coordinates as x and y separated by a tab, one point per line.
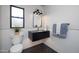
7	33
63	14
0	26
5	29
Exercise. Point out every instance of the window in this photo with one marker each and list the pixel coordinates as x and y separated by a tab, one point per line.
16	17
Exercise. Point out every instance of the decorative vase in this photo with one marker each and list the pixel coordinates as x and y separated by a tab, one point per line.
17	33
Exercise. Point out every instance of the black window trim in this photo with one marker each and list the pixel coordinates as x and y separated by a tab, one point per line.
16	17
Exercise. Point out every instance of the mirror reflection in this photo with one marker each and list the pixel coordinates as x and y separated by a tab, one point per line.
37	21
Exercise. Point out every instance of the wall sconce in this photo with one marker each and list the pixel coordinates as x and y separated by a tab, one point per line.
37	12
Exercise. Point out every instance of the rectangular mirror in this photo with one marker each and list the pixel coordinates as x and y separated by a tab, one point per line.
37	21
16	17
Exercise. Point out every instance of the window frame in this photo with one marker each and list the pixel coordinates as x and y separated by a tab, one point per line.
15	16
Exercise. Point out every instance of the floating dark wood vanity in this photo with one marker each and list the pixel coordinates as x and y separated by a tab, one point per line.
37	35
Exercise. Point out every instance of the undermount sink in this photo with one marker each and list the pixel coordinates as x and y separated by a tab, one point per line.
39	30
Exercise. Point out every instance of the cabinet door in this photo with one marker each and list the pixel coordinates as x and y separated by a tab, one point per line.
43	35
35	36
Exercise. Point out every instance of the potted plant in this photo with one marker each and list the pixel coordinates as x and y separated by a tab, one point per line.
17	30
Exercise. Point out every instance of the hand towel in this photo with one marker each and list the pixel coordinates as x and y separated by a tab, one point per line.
54	29
58	28
64	29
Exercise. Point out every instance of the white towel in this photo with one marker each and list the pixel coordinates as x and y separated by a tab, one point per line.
58	28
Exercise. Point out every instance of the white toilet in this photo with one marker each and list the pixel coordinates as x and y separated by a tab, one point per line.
17	45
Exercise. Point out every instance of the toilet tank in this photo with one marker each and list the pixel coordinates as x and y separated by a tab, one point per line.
16	40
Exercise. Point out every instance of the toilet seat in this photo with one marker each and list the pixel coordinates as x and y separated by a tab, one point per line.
16	48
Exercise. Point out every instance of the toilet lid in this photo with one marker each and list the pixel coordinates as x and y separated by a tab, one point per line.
16	48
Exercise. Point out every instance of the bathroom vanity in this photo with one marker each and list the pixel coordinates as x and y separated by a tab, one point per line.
38	35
